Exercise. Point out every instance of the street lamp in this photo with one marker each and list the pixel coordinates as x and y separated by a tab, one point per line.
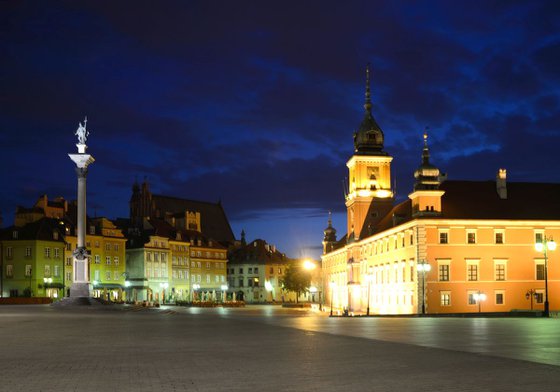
268	287
333	284
544	246
479	297
424	268
309	265
369	278
530	294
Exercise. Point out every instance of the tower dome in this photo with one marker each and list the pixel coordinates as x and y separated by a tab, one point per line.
369	138
427	175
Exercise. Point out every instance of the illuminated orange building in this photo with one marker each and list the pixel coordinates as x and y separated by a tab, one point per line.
477	239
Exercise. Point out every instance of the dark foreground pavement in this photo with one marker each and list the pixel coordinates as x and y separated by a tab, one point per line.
97	349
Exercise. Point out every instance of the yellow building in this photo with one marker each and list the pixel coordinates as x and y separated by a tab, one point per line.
451	247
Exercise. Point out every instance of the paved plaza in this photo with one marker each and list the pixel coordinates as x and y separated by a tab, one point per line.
265	348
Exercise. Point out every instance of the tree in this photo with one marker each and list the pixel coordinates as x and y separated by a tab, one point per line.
296	279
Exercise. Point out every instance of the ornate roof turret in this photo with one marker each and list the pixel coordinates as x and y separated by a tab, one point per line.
368	140
330	232
427	175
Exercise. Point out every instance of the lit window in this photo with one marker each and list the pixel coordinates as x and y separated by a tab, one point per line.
108	260
116	260
10	252
10	271
47	270
445	298
48	252
56	253
97	259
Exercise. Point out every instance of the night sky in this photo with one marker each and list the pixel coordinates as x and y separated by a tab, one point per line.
254	103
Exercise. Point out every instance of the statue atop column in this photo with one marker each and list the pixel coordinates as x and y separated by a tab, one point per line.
82	132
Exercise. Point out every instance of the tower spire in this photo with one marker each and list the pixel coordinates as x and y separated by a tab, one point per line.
367	104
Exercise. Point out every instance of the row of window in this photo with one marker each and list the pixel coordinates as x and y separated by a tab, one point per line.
28	270
386	244
217	278
97	260
473	270
255	270
56	252
478	298
115	275
471	238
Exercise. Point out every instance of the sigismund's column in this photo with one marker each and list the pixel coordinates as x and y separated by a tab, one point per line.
80	286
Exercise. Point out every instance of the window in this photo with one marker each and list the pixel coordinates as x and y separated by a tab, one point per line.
116	260
9	252
499	236
55	235
174	260
411	239
69	246
69	261
539	237
28	251
539	297
97	244
471	237
15	235
107	246
240	282
193	253
250	270
116	247
472	272
174	274
241	271
499	270
28	270
56	253
92	230
271	270
116	275
256	270
9	271
47	270
472	300
217	278
193	265
68	276
443	272
97	259
108	260
48	252
207	265
223	278
193	278
540	271
198	264
198	278
445	297
149	256
499	295
107	275
56	271
156	256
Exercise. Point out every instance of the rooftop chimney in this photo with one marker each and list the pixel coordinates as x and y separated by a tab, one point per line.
501	184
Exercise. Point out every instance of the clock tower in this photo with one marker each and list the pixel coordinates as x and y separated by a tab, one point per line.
370	195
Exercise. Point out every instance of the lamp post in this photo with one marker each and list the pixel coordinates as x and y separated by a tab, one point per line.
544	246
530	294
479	297
424	268
332	295
164	287
369	276
309	266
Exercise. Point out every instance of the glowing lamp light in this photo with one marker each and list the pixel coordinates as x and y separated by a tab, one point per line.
551	245
539	246
309	265
224	287
127	284
424	267
95	282
383	193
313	289
268	285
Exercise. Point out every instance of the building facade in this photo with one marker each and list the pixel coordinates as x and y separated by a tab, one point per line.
451	247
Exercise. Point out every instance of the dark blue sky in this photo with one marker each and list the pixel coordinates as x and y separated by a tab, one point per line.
254	103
